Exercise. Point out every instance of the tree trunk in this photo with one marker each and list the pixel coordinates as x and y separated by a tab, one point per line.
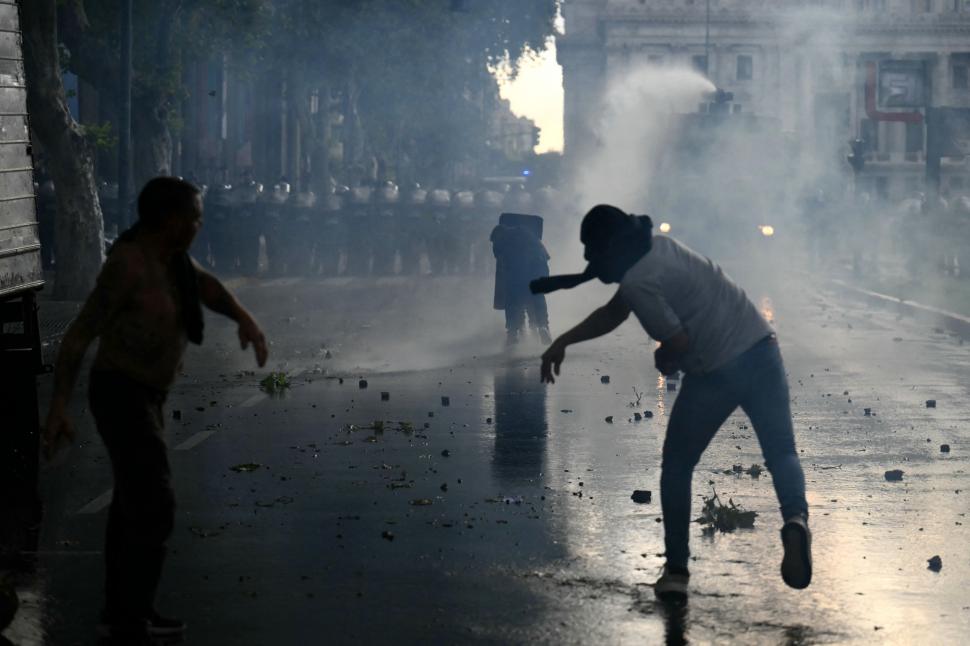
78	229
320	152
151	137
353	130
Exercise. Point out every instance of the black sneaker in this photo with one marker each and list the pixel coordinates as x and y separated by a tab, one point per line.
123	630
159	626
672	585
156	626
796	566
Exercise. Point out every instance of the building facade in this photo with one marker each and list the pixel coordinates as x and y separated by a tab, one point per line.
823	70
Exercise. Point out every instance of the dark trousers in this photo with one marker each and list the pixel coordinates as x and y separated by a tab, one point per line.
518	306
756	382
129	420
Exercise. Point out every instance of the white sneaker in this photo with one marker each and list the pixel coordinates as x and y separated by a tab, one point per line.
671	586
796	566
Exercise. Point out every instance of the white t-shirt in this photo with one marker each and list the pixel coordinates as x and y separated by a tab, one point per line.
674	289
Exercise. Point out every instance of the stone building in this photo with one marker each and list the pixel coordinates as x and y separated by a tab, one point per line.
808	65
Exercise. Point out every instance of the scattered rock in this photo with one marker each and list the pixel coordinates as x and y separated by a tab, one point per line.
641	496
605	379
246	467
931	403
648	414
609	419
637	417
935	563
944	448
894	475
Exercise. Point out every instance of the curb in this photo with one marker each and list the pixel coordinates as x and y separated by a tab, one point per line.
951	321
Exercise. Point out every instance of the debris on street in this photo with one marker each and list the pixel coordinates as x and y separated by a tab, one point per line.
935	563
894	475
641	496
274	383
246	467
716	516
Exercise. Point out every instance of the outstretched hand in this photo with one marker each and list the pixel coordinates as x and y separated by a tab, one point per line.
551	361
249	332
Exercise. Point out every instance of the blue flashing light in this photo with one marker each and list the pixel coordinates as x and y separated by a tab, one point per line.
526	172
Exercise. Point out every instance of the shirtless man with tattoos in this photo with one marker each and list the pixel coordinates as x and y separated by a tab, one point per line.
145	308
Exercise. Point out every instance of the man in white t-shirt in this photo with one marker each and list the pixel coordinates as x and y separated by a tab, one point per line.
708	328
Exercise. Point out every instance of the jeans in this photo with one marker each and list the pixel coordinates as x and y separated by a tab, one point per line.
129	420
756	382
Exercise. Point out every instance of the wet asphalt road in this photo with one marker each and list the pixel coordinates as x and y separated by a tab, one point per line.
505	516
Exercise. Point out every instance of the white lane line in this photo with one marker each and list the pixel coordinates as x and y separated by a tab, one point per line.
97	504
194	441
252	401
260	396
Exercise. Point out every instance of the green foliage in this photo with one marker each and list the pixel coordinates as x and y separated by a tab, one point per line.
716	516
275	383
101	136
413	75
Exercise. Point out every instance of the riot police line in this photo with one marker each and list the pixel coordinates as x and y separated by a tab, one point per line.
377	230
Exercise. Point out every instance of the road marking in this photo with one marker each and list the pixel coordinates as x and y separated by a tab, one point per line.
97	504
194	441
260	396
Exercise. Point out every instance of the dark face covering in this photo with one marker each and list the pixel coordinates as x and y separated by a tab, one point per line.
610	259
613	241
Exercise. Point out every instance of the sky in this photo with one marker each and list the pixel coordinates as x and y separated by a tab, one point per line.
537	93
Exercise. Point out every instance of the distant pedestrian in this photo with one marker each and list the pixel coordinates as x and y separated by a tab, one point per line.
708	328
520	257
144	309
